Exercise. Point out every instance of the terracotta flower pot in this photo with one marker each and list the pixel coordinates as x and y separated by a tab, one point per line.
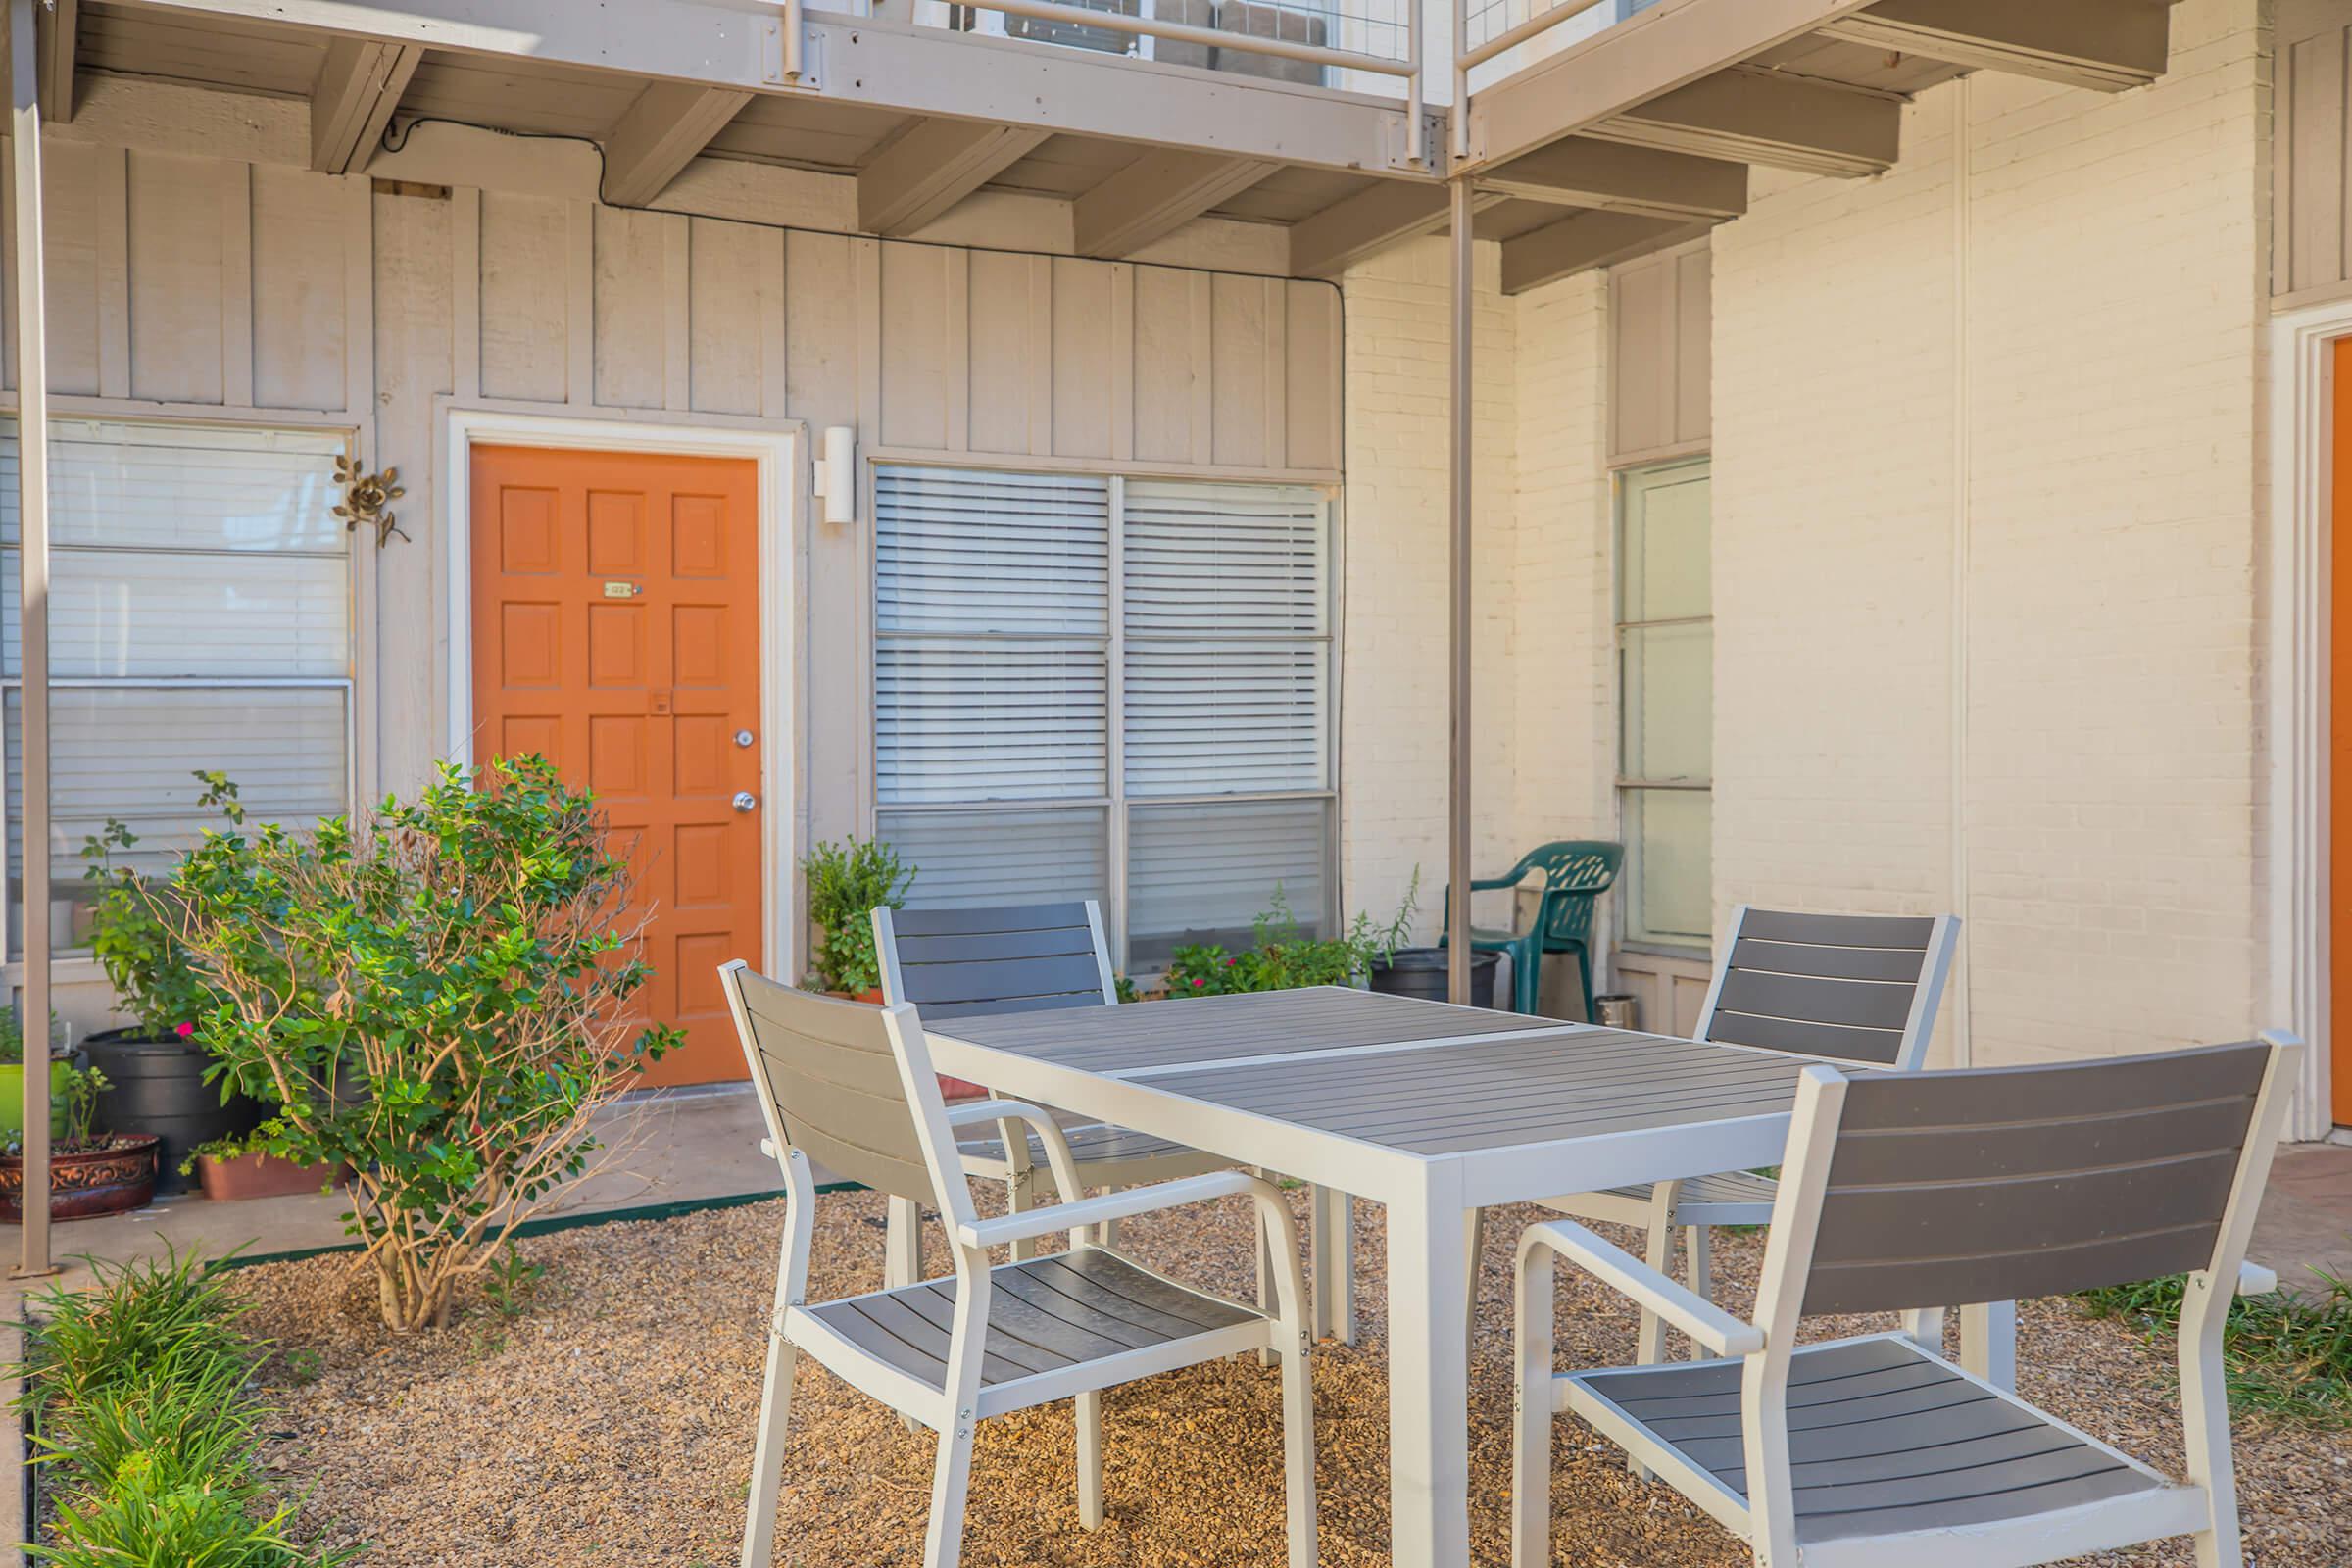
86	1183
259	1175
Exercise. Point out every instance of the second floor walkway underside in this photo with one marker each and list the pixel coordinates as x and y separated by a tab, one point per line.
1595	130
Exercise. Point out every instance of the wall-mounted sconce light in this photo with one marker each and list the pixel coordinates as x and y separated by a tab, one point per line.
835	473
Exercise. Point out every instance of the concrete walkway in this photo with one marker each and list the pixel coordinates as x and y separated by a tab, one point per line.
669	1146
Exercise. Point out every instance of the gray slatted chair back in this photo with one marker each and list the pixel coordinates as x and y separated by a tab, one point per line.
2005	1184
829	1078
1858	988
1031	958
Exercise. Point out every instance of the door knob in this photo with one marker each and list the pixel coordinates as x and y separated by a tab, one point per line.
746	801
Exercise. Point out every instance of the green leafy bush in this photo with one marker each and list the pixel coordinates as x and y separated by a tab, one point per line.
134	930
1285	956
147	1425
846	882
440	1000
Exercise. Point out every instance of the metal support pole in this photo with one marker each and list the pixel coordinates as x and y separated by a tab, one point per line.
33	514
1457	827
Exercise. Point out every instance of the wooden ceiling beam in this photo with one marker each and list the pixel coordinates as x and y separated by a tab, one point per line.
1620	68
660	133
2105	45
1766	116
1156	195
933	166
57	30
1583	241
1614	176
1326	243
359	87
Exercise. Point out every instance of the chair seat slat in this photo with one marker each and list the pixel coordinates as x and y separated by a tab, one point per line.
1944	1453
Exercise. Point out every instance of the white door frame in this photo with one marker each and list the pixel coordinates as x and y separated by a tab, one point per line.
2297	781
780	450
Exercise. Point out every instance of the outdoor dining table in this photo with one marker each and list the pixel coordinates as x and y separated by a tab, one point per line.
1430	1109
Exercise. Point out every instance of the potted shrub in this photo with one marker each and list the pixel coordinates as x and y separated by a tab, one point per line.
90	1172
473	958
846	882
229	1172
12	1077
1284	957
158	1077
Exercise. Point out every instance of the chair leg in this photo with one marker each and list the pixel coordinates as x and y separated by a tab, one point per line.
1265	1270
1527	977
1018	1200
1090	1460
903	1245
1698	1268
1298	1444
1651	1347
1531	1413
951	1480
1584	975
767	1451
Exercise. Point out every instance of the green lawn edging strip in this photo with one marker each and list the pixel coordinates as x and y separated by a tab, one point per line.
548	1224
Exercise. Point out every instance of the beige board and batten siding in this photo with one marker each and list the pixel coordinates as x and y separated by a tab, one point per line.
246	287
2311	237
1660	324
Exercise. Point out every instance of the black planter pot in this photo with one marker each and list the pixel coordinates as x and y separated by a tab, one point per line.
1421	972
158	1087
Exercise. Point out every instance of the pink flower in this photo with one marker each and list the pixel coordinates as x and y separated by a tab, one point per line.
1198	983
186	1030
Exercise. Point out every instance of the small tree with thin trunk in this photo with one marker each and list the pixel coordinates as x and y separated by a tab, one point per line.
438	998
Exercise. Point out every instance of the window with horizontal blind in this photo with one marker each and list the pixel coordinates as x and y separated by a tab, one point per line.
200	619
1088	686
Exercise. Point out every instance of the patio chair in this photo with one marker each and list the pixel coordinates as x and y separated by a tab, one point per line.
1915	1194
1863	989
956	964
1576	874
853	1087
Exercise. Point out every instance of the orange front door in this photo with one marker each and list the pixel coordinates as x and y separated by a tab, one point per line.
616	632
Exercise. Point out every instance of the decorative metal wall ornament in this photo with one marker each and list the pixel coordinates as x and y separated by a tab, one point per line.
368	497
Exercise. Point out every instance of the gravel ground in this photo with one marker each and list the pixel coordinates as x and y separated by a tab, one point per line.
611	1422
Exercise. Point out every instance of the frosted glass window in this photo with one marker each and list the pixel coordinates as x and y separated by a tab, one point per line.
1046	639
1666	700
200	605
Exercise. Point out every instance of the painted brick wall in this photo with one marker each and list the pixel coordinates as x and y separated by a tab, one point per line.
1985	428
1393	723
2012	386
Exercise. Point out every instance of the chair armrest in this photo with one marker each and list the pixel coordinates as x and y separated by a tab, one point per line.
1008	1112
1495	884
2255	1279
1032	1223
1709	1326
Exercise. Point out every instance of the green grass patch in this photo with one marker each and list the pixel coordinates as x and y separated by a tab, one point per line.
139	1391
2289	1355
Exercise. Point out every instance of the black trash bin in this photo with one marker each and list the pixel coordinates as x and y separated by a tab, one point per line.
158	1087
1421	972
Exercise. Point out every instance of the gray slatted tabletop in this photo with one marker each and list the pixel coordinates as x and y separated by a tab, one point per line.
1426	1108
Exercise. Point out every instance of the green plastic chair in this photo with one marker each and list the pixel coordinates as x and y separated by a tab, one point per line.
1576	874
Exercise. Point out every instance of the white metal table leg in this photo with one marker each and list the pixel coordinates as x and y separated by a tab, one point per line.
1989	1343
1331	1220
1429	1378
